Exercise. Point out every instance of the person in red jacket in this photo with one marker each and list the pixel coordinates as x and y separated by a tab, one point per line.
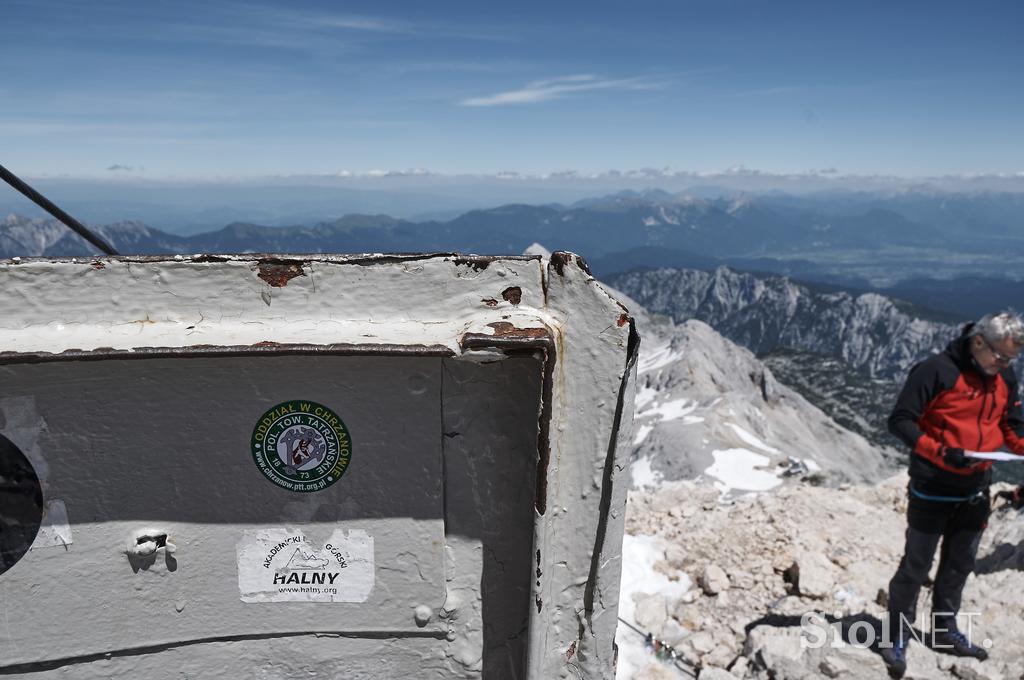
961	400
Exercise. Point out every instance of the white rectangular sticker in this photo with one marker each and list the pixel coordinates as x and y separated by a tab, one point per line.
282	565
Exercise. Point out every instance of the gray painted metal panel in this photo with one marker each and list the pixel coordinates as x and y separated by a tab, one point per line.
485	464
162	446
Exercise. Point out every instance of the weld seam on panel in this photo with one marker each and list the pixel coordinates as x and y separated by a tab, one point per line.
53	664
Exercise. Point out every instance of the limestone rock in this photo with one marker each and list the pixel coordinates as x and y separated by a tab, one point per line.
651	612
757	635
972	669
815	575
714	580
702	642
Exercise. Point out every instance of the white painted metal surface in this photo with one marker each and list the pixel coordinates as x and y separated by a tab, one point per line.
471	528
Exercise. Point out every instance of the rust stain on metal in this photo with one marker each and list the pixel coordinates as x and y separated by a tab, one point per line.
96	264
572	650
477	263
513	294
581	262
278	273
206	351
623	320
559	260
490	302
504	329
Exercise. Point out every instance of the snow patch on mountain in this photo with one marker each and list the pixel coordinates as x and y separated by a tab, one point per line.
707	408
643	579
742	470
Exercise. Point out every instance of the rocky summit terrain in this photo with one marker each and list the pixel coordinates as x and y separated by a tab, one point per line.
787	585
761	533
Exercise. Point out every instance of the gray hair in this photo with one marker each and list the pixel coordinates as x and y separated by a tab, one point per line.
996	327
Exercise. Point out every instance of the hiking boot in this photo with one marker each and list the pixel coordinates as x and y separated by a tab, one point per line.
895	658
956	643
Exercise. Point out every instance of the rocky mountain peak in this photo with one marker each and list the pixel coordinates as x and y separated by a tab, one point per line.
763	313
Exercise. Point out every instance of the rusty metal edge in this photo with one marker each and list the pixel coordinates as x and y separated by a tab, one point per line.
208	351
539	339
480	261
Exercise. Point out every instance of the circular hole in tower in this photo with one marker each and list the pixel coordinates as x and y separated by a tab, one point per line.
21	504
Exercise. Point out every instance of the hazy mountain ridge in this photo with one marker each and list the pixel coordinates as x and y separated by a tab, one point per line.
734	226
860	241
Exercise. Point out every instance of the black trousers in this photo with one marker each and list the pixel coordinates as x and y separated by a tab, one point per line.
959	526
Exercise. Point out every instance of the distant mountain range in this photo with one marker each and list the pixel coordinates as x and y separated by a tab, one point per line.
959	253
739	226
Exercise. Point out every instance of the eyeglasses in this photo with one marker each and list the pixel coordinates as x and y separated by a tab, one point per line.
1000	358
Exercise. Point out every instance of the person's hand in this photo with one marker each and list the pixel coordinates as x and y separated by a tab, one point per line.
954	457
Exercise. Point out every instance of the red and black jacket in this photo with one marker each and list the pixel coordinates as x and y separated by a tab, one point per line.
949	401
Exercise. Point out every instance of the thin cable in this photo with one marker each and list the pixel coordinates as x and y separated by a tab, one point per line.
51	208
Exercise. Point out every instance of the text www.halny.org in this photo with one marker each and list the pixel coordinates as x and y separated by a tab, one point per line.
315	591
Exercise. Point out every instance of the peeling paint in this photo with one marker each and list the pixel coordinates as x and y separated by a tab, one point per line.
277	273
558	260
581	262
504	329
513	294
477	263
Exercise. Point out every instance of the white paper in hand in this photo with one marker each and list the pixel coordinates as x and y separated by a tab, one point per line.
994	455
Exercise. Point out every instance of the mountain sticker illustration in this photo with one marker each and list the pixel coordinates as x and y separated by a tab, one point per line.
303	561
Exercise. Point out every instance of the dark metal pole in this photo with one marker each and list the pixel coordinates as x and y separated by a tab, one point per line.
49	207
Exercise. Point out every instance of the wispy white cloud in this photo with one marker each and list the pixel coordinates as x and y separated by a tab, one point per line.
359	23
295	22
770	91
556	88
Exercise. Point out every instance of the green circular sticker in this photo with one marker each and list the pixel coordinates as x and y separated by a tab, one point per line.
301	446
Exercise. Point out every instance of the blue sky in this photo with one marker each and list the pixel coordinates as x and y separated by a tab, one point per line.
230	89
